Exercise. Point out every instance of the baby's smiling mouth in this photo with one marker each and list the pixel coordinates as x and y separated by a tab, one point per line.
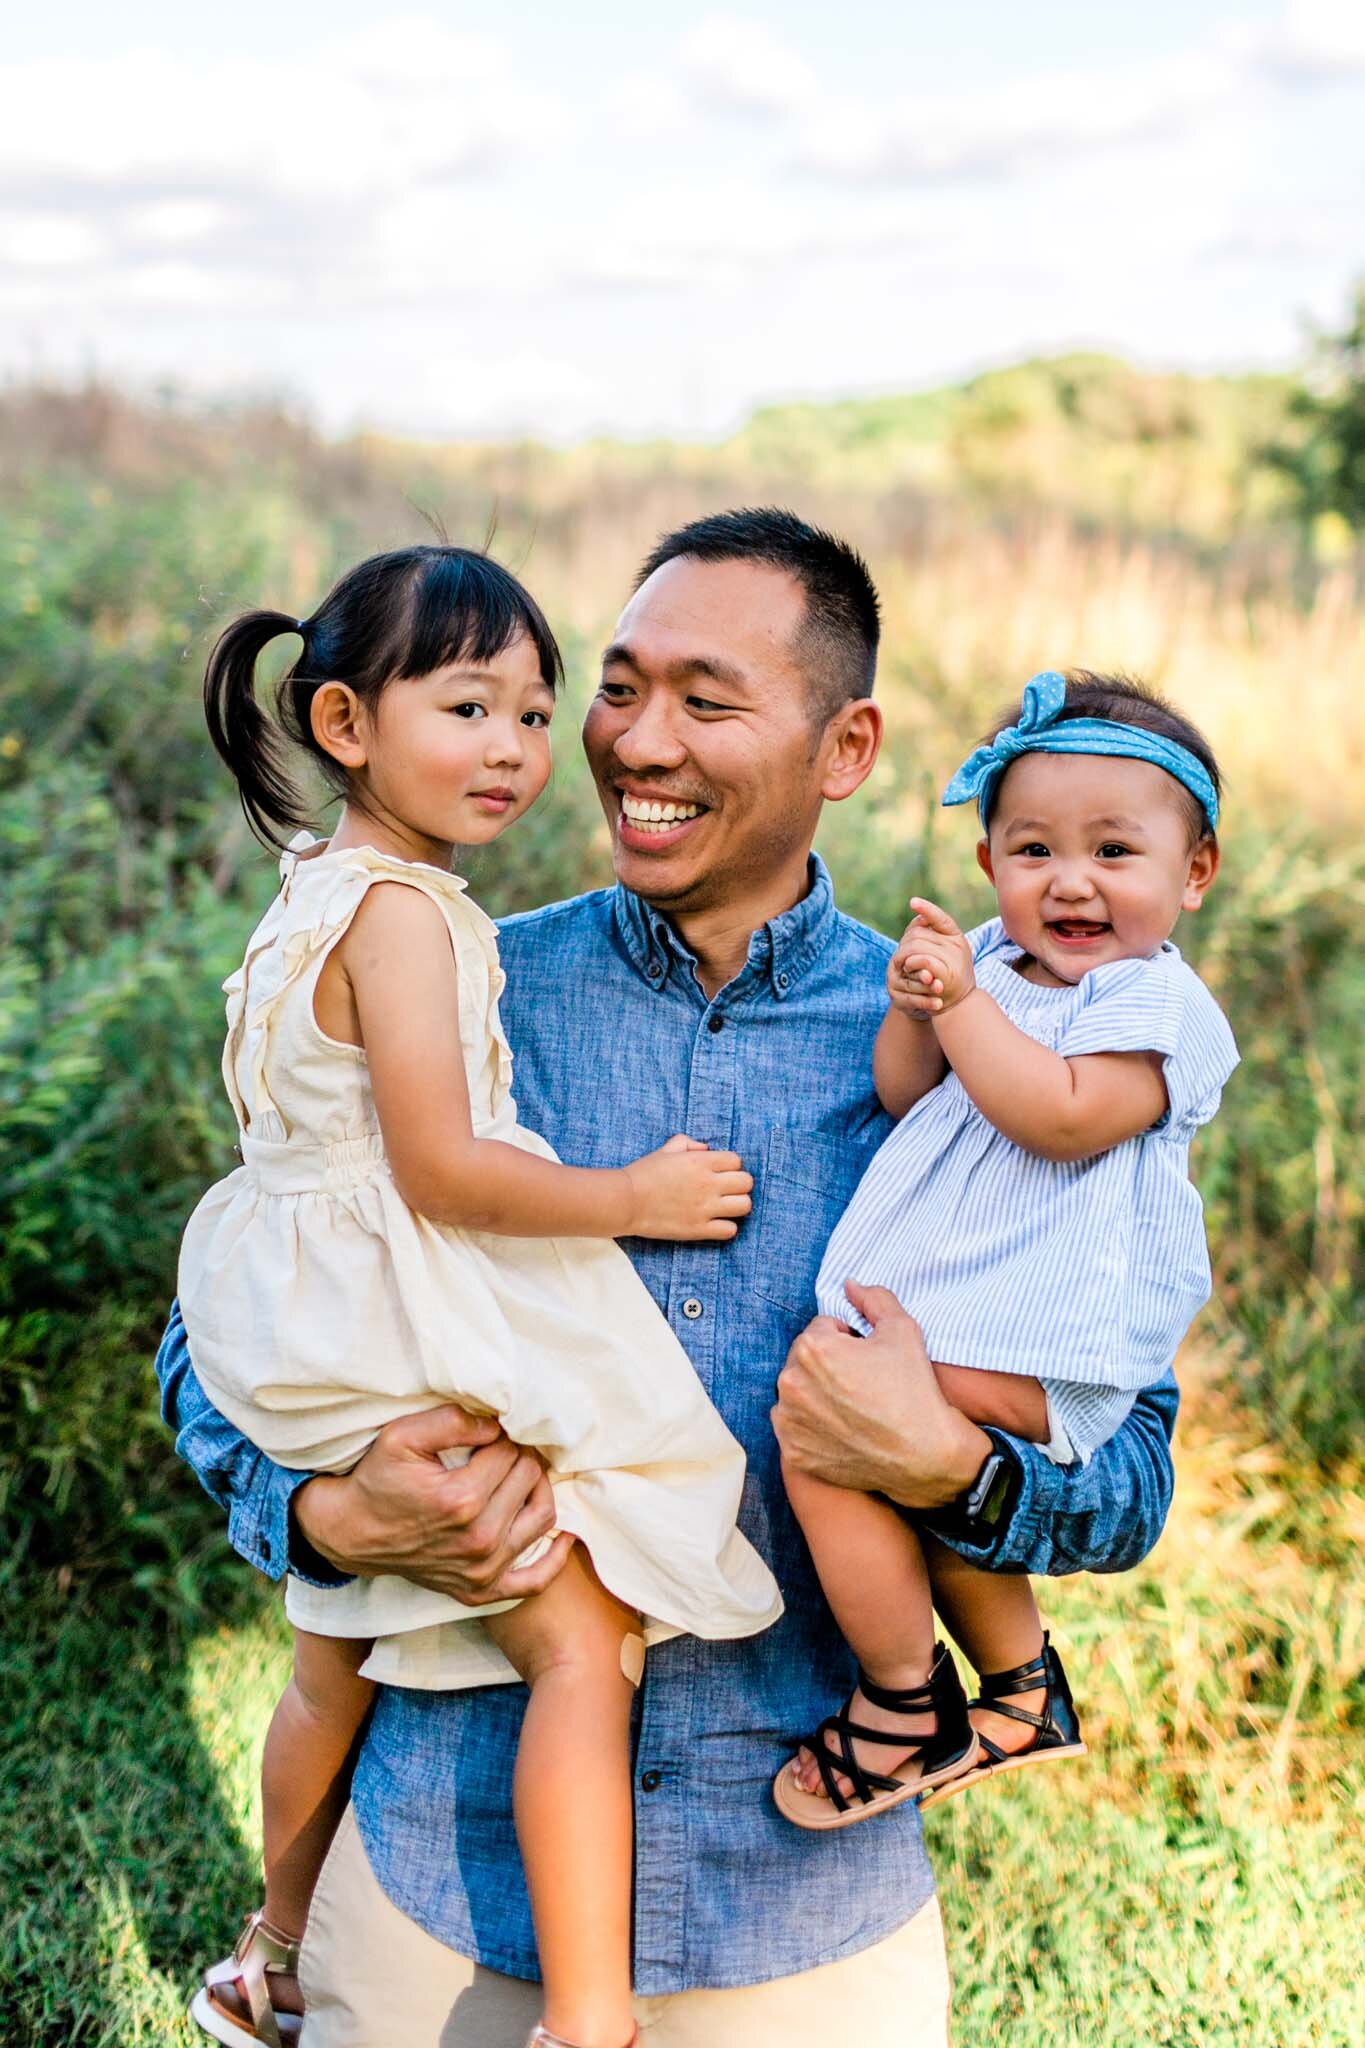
1077	928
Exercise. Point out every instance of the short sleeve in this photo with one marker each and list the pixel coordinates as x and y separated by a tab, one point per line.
1158	1005
988	939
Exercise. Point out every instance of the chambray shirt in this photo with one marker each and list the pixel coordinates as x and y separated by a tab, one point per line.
616	1048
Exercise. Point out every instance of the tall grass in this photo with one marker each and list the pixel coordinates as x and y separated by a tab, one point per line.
1190	1885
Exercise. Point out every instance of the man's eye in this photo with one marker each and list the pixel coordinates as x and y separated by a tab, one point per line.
613	690
469	710
1113	849
705	704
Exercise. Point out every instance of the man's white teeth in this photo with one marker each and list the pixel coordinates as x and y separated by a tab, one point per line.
647	816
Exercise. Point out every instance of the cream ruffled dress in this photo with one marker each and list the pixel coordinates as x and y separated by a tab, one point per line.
319	1306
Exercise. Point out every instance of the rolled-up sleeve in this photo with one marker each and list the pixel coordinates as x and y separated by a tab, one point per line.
255	1494
1100	1517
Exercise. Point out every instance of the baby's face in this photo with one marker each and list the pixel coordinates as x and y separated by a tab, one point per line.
1091	859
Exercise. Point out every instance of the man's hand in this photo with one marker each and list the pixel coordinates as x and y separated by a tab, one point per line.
457	1531
931	969
867	1412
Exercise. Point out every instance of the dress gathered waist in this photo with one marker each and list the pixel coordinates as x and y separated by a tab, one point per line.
292	1168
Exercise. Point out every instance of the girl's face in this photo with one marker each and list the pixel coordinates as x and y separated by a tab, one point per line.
447	759
1091	859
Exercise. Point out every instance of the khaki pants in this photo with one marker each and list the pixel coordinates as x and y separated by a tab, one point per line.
372	1978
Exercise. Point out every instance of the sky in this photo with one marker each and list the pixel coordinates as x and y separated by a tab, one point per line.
462	220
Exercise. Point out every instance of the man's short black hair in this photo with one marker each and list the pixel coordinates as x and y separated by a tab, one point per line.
837	645
1124	700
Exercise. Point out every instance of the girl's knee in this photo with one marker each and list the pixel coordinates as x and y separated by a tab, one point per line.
326	1684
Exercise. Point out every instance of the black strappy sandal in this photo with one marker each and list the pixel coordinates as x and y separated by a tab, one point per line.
1058	1731
951	1748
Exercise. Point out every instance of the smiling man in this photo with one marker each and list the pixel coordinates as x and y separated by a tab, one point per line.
715	989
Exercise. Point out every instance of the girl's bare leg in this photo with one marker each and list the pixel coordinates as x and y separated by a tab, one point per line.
874	1576
992	1616
572	1796
306	1778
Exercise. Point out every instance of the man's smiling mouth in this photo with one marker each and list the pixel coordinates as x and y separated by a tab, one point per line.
656	816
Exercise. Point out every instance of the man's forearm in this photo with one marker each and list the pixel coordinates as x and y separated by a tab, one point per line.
256	1495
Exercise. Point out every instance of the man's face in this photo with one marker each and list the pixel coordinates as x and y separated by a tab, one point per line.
703	711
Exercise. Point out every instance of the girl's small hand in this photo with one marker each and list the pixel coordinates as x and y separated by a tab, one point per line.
686	1192
931	969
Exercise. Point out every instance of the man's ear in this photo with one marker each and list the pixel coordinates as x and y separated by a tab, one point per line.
984	861
851	743
1205	862
339	725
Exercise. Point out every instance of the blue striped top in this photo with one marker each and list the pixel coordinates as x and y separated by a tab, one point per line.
1087	1270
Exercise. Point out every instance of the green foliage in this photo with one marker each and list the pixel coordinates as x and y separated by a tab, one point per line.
1326	458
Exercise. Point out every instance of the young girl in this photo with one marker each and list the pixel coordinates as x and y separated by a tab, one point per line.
394	1239
1033	1209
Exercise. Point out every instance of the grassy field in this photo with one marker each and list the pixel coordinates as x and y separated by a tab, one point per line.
1198	1880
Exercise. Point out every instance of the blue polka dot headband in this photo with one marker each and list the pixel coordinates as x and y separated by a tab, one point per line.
1037	732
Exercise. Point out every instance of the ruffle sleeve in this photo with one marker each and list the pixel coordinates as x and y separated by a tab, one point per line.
1157	1005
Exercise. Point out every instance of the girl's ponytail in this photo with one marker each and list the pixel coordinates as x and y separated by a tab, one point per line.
252	743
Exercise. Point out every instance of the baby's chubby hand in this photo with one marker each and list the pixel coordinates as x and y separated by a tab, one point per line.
931	969
684	1191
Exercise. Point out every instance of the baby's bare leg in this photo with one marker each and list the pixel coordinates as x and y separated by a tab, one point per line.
578	1650
873	1572
992	1615
306	1777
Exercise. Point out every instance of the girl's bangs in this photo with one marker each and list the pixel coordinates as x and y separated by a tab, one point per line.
465	608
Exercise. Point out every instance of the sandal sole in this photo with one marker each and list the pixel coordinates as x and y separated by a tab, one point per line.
820	1815
220	2026
1013	1763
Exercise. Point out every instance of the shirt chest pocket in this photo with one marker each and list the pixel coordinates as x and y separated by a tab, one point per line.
808	1181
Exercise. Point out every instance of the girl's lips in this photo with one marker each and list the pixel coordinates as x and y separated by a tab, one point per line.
495	801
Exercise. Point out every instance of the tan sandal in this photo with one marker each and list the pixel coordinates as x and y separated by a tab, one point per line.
233	2003
949	1750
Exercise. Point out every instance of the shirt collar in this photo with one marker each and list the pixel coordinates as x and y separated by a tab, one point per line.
782	949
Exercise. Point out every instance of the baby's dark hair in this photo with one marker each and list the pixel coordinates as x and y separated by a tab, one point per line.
1125	701
392	618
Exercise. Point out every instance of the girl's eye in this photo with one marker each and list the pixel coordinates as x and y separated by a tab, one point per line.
537	720
469	710
1034	851
1114	850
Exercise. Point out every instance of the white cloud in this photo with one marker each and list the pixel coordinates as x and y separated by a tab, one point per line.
1024	124
743	66
1315	41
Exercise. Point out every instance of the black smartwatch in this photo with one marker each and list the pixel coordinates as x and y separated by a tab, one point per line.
979	1513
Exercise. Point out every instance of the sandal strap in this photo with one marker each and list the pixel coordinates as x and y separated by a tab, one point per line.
261	1950
1028	1677
939	1696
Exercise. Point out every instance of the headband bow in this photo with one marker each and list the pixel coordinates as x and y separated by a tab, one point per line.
1036	731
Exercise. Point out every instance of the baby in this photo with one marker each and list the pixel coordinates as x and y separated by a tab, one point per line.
1032	1209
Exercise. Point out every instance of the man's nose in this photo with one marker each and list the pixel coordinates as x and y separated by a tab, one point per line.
651	738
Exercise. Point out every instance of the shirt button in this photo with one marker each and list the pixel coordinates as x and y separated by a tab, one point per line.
650	1781
784	981
691	1308
716	1022
265	1548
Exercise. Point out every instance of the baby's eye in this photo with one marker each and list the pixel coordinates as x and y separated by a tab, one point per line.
1114	849
469	710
